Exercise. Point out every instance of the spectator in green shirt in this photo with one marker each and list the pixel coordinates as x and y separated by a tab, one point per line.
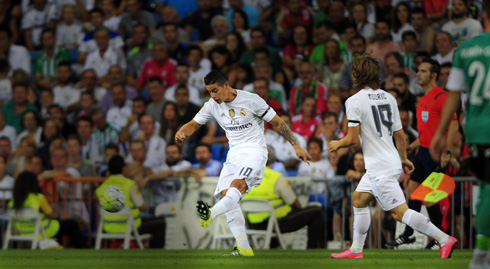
46	63
15	109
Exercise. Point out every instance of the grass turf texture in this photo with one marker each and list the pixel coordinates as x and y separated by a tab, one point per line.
137	259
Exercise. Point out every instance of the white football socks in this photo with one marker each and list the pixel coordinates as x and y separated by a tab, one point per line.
422	224
236	222
362	221
227	203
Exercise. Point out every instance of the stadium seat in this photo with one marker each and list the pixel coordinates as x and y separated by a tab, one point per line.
167	211
258	206
25	215
126	236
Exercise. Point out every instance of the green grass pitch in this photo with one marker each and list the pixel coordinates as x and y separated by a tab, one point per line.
138	259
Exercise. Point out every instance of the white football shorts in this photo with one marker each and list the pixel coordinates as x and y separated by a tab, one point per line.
248	164
385	188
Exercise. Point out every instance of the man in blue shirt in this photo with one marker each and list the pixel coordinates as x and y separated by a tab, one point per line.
203	156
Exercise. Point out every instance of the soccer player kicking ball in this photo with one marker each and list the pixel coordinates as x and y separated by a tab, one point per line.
241	114
373	115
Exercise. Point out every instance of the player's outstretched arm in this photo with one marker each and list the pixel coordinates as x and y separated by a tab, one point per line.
187	130
438	143
352	138
284	130
401	145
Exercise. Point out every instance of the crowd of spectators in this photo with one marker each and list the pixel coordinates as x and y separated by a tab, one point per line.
82	81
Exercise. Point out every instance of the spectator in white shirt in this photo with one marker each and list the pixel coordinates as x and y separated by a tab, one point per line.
5	83
89	44
69	31
118	115
132	131
461	27
18	56
445	48
41	15
182	77
112	15
153	142
105	56
199	67
65	93
6	181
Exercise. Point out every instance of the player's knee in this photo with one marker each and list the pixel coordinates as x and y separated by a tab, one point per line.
357	202
240	185
399	211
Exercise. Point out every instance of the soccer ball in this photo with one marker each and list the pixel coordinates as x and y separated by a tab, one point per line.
112	199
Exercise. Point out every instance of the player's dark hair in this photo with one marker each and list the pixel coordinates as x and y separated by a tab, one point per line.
365	72
215	77
316	140
435	67
116	165
403	76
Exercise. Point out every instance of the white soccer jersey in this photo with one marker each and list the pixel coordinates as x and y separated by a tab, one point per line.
377	112
242	119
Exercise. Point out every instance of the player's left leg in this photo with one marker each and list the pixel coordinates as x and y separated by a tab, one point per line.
362	221
481	254
422	224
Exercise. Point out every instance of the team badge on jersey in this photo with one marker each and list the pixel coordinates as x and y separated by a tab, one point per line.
425	116
242	112
232	113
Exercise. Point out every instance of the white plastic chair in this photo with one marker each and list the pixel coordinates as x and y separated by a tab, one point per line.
168	211
126	236
259	206
221	233
25	215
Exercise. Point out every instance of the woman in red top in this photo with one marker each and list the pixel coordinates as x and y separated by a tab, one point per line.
300	44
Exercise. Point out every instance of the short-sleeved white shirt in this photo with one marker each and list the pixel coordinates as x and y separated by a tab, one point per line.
19	57
101	65
377	113
36	20
242	119
66	96
118	116
69	37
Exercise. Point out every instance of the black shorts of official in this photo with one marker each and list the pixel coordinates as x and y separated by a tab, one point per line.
424	165
480	161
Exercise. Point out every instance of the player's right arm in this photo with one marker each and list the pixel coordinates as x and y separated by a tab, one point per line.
401	146
185	131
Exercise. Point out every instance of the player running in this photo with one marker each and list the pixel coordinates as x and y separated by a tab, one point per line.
470	71
241	114
373	115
